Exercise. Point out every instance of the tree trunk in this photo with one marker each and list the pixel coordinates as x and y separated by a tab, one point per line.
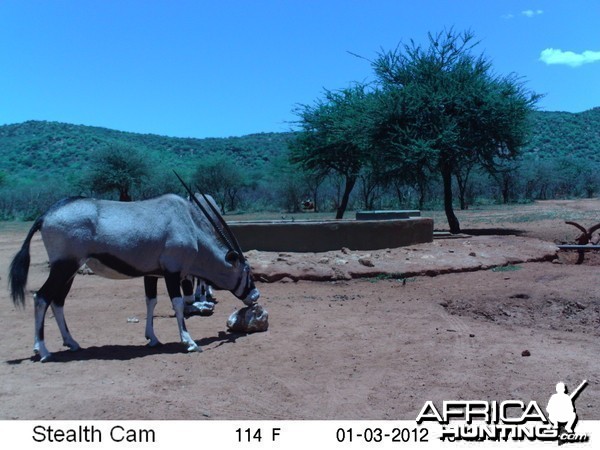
505	191
399	192
421	199
462	191
462	199
462	181
315	199
422	188
124	195
350	182
452	219
232	197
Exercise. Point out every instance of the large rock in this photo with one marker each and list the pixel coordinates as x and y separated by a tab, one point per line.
249	319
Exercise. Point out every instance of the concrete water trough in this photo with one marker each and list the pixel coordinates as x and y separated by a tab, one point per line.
388	215
327	235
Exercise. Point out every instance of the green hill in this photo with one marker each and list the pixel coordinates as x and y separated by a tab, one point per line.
563	134
35	149
43	161
32	149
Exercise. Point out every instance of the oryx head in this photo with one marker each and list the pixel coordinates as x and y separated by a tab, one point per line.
238	277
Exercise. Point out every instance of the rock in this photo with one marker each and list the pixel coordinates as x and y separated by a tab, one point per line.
199	308
339	274
249	319
525	353
367	262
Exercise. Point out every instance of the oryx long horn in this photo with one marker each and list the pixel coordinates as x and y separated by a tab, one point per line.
585	237
594	228
575	224
226	227
208	216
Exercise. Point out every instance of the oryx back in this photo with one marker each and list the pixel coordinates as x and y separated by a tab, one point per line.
122	240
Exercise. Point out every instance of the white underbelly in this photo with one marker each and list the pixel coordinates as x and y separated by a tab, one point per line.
104	271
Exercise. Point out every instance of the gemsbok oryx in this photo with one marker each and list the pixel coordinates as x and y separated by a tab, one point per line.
167	236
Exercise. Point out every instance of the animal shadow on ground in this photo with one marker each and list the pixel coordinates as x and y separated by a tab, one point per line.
492	232
129	352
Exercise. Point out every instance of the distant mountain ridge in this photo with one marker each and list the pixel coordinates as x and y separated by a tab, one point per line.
557	134
39	146
34	148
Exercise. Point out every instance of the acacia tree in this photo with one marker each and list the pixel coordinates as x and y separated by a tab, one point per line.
118	168
223	178
449	110
335	136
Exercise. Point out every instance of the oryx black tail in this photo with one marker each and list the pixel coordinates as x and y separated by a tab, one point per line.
19	268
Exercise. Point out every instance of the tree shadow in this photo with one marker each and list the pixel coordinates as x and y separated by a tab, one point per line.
492	231
129	352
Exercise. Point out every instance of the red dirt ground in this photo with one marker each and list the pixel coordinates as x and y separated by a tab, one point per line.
387	331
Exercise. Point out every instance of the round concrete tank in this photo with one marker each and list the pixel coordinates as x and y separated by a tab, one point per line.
322	236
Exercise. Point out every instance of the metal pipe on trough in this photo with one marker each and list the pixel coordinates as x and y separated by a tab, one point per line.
578	247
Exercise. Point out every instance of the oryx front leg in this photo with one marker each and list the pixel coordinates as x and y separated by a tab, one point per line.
150	286
152	339
178	305
173	282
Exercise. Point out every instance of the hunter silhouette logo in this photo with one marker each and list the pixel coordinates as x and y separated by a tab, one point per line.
515	420
561	407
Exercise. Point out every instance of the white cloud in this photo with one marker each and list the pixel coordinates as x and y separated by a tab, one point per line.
557	56
527	13
532	13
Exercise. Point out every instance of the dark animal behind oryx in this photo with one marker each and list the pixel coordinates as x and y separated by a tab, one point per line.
166	237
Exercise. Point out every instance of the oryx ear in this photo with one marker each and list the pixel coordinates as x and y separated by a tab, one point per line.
232	257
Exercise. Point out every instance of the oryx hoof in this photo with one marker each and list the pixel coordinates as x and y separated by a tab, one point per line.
41	351
72	346
193	347
46	358
154	343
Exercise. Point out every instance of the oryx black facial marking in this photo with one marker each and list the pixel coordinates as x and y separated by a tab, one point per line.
166	237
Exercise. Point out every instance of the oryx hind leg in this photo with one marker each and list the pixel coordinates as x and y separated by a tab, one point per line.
40	308
68	340
173	282
150	287
53	293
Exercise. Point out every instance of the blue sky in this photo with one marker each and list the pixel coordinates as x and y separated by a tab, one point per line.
229	68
